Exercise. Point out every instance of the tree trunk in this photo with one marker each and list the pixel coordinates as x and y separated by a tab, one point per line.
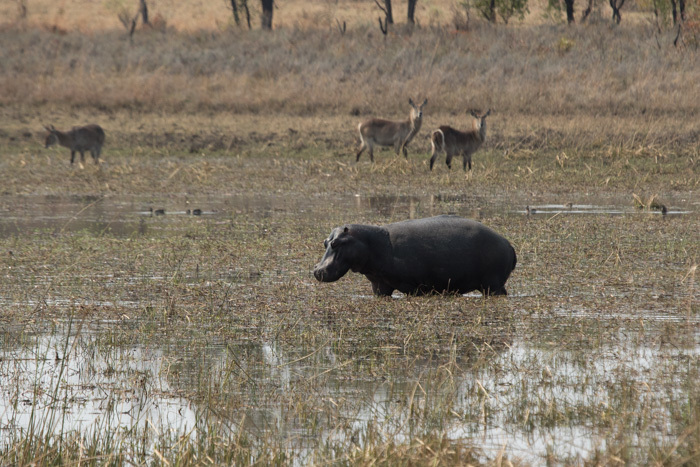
236	18
144	11
682	8
389	14
674	12
244	5
412	11
570	11
266	18
616	5
587	11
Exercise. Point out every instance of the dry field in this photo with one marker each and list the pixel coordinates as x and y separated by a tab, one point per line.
131	337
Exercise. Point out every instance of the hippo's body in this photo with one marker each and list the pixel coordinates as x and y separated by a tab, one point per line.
438	254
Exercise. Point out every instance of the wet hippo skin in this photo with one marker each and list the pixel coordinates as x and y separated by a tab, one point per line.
434	255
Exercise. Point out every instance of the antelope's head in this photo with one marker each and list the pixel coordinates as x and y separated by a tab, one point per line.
416	110
51	138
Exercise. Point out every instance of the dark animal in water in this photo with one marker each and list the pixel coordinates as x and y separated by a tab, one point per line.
434	255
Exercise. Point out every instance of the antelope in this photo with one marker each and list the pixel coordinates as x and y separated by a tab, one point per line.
455	142
390	133
78	139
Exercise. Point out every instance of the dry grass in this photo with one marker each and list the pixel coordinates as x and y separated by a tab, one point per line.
90	16
607	72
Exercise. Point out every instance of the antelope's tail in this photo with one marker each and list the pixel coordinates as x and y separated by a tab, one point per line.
437	139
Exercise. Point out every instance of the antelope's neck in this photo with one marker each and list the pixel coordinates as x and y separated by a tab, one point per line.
416	123
482	131
65	139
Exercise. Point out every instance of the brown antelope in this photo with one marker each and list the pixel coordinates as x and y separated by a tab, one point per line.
390	133
78	139
455	142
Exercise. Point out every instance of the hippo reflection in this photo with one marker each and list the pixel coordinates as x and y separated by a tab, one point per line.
438	254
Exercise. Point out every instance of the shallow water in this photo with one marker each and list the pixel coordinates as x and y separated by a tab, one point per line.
537	395
125	216
66	374
62	380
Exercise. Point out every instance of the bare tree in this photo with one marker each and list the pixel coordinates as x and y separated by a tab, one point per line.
388	15
681	4
587	11
412	11
616	5
244	5
266	18
569	11
143	9
234	8
383	26
237	14
678	6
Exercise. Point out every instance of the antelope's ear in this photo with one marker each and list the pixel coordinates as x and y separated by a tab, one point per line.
47	128
487	113
473	113
424	102
410	101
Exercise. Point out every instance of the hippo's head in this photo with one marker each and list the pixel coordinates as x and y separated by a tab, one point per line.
344	251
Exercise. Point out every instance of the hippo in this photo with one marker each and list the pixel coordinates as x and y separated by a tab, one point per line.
442	254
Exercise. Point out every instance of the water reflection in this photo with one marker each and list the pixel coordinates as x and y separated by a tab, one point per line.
592	209
125	216
58	381
506	394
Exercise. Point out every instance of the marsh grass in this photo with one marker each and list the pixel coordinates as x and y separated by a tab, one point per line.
599	334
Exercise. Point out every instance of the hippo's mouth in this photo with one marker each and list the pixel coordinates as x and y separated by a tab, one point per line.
329	272
323	275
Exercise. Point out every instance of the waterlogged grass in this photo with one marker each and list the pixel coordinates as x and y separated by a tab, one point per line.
205	339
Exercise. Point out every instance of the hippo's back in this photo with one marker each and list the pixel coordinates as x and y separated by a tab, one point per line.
451	252
445	229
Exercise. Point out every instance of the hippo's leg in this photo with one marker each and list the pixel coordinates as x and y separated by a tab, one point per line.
72	157
382	289
448	161
492	291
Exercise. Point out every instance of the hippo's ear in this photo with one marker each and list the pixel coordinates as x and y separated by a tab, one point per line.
345	230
